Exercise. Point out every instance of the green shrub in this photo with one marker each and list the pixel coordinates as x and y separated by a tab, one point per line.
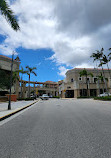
84	97
56	97
106	98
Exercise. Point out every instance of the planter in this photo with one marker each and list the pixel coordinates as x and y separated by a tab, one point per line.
3	98
13	97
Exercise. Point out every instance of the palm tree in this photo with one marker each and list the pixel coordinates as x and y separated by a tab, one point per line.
101	65
22	71
29	71
98	56
86	74
8	14
106	60
101	78
109	53
15	78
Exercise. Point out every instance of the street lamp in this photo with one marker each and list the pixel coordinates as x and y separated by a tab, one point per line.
9	104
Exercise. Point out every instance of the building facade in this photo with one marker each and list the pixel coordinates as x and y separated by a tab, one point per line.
49	87
5	65
38	88
75	85
72	86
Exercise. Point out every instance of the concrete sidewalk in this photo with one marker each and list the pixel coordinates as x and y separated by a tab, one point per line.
15	107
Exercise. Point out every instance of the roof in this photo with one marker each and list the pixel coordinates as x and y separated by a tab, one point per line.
35	82
5	57
85	68
50	82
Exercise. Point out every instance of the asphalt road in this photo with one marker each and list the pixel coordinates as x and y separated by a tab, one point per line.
58	128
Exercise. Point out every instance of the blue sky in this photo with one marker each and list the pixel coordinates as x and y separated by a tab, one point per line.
46	68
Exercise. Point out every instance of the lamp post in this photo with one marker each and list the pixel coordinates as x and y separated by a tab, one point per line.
9	104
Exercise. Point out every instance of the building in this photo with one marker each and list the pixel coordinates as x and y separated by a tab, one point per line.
5	65
38	88
49	87
74	86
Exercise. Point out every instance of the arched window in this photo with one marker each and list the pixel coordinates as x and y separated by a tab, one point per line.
72	80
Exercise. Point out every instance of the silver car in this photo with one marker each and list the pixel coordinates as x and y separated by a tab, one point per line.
104	94
44	97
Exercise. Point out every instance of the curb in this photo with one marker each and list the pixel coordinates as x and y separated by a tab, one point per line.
10	114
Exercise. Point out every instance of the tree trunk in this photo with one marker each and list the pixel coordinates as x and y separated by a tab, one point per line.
87	87
109	71
103	87
109	75
104	79
29	87
98	81
21	87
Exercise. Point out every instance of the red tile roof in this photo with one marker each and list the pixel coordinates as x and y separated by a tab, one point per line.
50	82
7	58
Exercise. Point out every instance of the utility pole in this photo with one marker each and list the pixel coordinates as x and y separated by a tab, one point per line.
9	104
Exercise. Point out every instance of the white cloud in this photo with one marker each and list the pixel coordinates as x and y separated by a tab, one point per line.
62	71
38	64
73	29
85	65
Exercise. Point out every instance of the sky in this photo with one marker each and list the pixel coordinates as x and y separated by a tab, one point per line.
57	35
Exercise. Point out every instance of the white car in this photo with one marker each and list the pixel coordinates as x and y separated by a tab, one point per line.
104	94
44	97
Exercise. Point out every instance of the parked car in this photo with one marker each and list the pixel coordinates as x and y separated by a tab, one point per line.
104	94
44	97
33	96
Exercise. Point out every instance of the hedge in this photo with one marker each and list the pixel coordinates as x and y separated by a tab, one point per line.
106	98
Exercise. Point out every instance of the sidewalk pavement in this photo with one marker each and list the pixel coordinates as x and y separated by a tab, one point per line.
15	107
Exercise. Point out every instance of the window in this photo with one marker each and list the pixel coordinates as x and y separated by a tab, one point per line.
80	78
68	87
88	79
95	79
72	80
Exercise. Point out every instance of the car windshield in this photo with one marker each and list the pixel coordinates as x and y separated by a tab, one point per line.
45	95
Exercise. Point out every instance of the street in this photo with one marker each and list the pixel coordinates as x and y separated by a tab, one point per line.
59	128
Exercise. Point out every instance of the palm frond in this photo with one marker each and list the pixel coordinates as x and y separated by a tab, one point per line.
109	54
27	67
34	73
90	74
8	14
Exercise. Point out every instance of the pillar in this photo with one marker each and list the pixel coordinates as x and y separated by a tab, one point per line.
24	89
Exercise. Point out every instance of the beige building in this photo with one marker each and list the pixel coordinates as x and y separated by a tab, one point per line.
49	87
5	64
74	86
39	88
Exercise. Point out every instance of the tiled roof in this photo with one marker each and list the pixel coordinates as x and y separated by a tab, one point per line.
3	56
50	82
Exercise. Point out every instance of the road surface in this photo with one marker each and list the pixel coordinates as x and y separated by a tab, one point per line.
59	128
